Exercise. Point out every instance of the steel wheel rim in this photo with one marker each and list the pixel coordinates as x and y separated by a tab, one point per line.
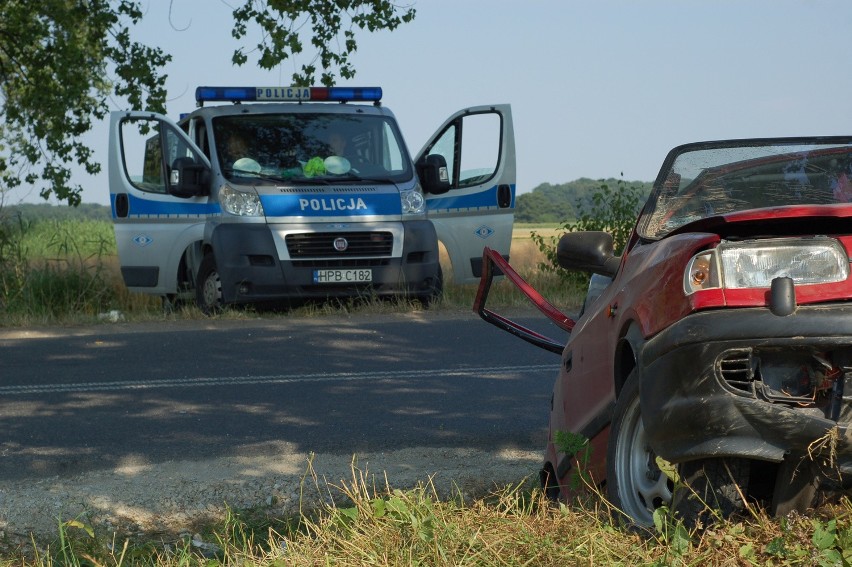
212	290
642	486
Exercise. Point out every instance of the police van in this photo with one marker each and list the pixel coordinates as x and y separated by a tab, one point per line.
281	193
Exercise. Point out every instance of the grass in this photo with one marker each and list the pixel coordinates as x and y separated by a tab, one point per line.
367	522
67	272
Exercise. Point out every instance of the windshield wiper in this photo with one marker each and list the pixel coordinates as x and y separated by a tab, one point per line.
355	177
277	178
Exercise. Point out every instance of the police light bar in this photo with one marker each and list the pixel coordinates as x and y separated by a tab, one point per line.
288	94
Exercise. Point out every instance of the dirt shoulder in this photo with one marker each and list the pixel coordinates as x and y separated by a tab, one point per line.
175	497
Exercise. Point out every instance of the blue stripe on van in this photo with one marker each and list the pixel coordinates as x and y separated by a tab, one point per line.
150	208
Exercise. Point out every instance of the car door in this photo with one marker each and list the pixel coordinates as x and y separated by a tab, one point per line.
478	145
154	226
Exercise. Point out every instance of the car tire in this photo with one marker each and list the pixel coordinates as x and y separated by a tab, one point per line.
635	484
208	287
711	489
796	486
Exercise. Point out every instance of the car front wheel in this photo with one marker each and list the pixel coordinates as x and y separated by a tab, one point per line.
635	484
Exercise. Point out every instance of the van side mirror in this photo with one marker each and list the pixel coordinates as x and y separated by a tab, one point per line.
588	251
188	178
433	173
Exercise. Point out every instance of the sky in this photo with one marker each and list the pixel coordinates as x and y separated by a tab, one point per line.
598	89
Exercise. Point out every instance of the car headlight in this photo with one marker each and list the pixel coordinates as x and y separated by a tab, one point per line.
240	203
413	202
755	263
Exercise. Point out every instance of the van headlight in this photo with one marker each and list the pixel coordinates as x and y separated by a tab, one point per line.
413	202
240	203
755	263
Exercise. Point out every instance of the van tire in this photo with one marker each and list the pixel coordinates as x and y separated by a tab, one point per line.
208	286
436	290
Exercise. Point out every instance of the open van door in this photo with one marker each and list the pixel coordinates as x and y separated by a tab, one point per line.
159	182
478	209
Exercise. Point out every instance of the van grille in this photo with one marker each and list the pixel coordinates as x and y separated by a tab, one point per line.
321	244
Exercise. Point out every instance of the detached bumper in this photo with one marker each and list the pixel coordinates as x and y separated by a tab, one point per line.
747	383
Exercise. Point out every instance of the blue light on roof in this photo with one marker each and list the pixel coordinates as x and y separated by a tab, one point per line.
287	94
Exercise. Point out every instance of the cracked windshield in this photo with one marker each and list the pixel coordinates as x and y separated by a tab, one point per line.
712	180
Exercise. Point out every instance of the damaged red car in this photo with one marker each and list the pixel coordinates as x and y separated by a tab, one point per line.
719	341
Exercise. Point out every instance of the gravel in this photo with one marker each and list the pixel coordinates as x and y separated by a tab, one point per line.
176	497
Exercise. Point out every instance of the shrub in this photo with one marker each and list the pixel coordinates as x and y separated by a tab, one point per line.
613	210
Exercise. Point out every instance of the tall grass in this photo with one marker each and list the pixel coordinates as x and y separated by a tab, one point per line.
54	270
67	271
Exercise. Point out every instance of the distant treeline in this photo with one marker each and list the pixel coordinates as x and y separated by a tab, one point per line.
46	211
557	203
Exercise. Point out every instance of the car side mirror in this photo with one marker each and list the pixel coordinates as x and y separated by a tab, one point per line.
588	251
188	178
433	173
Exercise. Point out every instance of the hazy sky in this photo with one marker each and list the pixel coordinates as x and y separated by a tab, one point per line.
597	88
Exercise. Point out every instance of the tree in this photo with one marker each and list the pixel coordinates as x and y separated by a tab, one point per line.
282	21
62	60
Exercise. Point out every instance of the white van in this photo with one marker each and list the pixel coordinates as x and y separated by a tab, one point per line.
305	192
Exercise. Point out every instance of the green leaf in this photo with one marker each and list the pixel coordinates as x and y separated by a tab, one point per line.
824	535
830	558
668	469
378	508
78	524
660	517
397	507
776	547
680	541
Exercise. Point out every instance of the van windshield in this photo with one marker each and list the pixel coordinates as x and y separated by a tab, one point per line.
310	148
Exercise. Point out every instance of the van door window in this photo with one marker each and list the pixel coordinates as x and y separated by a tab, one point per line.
479	136
149	148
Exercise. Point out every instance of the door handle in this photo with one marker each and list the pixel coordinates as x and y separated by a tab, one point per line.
504	196
122	206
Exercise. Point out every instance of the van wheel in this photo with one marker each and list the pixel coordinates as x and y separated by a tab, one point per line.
208	287
634	483
436	290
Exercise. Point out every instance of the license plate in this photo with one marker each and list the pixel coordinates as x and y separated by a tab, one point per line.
342	276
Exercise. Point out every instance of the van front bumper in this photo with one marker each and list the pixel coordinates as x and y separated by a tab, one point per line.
747	383
251	270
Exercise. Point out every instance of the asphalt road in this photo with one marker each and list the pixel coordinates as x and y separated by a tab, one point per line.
81	399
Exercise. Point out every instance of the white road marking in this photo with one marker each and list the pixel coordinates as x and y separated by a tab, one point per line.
113	386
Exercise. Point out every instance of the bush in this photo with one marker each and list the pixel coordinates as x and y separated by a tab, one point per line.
611	210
